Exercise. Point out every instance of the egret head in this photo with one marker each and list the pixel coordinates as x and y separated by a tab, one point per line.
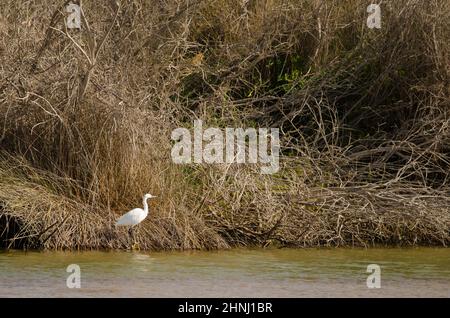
148	196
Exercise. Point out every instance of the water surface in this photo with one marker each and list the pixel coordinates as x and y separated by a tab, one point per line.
341	272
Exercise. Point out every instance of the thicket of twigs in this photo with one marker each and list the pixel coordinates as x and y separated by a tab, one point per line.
86	118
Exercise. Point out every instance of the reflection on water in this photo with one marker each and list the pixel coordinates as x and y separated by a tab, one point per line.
417	272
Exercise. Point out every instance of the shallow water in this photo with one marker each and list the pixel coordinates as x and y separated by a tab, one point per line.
405	272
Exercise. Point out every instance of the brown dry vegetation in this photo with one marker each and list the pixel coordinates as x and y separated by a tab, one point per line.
86	118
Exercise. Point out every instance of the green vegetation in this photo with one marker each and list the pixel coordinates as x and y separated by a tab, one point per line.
86	118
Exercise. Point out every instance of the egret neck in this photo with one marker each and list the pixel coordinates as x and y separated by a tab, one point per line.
145	206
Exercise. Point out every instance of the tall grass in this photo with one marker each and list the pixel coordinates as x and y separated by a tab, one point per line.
86	118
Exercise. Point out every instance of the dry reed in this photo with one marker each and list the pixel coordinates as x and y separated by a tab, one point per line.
86	117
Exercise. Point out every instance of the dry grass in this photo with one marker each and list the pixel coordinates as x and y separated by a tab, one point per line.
86	117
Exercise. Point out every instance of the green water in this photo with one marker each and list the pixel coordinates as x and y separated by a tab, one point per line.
411	272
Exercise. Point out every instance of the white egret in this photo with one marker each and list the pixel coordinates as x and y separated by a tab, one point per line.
135	216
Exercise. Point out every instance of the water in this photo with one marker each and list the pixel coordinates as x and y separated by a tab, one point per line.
411	272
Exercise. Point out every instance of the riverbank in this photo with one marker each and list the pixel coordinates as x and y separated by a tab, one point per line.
87	116
310	217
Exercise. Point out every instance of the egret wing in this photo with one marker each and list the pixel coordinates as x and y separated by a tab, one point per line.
131	218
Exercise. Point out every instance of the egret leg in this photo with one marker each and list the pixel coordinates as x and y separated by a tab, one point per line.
131	232
136	244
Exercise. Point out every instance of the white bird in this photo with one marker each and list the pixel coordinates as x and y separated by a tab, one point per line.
135	216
